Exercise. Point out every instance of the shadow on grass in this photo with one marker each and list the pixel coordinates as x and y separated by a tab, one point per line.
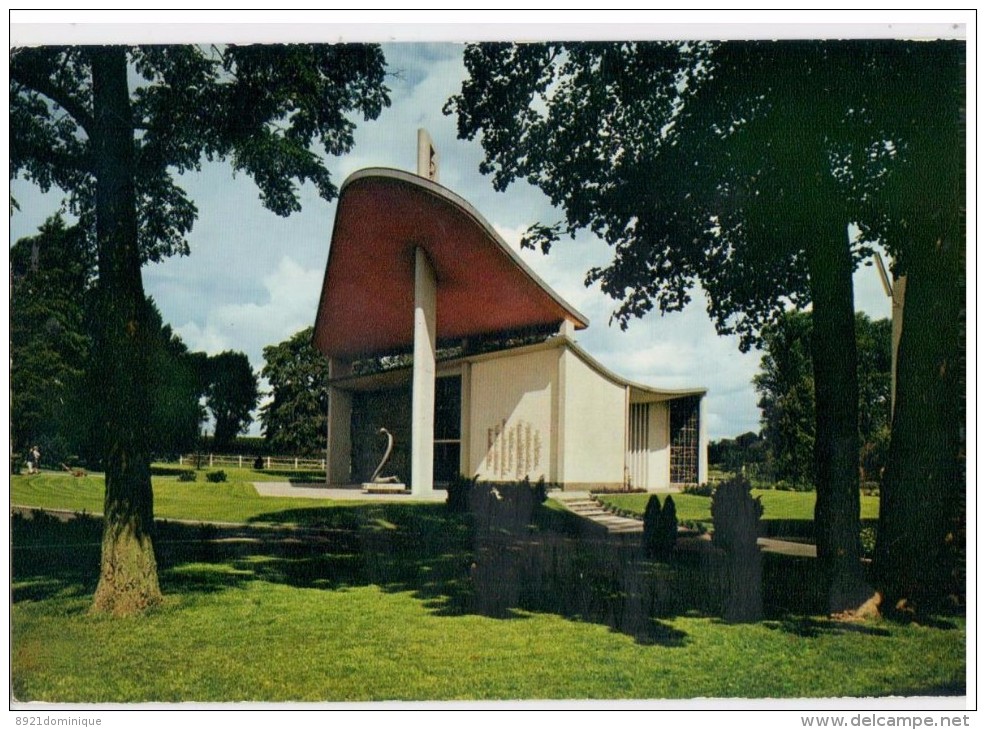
505	559
54	557
796	530
937	689
809	627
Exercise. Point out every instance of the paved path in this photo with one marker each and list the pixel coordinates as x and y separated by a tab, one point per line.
320	491
582	504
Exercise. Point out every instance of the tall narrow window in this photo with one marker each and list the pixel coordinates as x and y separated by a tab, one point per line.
448	428
638	454
684	440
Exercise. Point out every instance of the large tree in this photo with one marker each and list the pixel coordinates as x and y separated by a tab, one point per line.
295	418
738	166
112	126
231	395
52	367
49	341
919	213
176	390
787	398
707	163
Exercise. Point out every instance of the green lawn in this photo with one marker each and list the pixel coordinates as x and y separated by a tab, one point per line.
386	602
776	505
235	500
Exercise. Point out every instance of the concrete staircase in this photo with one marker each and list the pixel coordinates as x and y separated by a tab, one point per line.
583	505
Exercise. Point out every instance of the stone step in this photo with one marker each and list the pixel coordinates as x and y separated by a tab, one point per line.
591	510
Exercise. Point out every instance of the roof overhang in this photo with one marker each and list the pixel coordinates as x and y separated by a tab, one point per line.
367	301
400	376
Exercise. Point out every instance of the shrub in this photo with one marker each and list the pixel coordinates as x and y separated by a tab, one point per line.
735	518
667	530
186	475
629	489
660	528
652	519
459	493
216	476
867	539
695	525
540	490
784	485
701	490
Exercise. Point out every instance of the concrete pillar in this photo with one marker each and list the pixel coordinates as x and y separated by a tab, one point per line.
338	454
423	377
556	471
465	423
703	444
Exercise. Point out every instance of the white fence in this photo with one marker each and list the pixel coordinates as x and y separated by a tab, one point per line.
270	462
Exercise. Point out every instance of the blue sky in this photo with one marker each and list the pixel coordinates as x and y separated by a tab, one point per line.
253	278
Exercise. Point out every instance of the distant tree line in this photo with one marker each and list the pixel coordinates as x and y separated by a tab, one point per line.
53	381
786	385
782	452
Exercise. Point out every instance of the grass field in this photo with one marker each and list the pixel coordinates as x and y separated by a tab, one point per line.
776	505
235	500
379	601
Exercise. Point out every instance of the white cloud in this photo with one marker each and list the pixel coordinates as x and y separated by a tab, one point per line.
289	306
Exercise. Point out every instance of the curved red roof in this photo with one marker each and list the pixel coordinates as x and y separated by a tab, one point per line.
367	301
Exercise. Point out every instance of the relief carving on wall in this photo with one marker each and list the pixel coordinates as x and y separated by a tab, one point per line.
514	451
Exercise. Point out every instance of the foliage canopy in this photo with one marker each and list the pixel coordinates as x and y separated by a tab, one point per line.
294	420
112	127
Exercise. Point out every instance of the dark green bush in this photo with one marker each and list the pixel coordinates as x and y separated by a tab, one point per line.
216	476
696	525
701	490
792	486
629	489
660	528
459	493
652	519
867	538
186	475
540	490
735	519
667	530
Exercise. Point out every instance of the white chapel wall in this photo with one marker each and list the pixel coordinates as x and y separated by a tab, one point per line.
595	421
510	422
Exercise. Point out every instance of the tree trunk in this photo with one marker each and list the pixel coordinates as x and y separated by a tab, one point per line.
920	537
920	542
836	421
128	580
